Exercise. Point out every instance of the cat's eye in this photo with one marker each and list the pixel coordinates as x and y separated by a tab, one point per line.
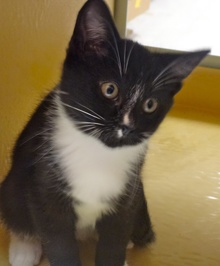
150	105
109	90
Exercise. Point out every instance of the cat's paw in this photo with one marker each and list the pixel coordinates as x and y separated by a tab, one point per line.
24	252
142	240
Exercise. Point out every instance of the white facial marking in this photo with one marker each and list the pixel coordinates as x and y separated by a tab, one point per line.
126	120
136	93
95	172
24	251
120	133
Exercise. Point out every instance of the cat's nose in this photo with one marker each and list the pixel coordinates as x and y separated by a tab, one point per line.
126	130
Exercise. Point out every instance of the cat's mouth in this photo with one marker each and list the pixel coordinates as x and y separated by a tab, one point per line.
114	137
123	137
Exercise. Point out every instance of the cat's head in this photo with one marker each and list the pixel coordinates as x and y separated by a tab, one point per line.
115	89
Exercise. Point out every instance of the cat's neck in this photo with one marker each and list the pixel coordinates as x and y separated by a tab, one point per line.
95	172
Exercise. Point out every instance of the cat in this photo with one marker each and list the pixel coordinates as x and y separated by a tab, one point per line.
76	166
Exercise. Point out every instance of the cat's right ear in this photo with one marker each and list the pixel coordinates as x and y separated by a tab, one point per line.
94	31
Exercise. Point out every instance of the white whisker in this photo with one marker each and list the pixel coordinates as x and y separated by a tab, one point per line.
165	70
63	92
89	123
128	58
42	144
118	60
86	127
165	82
125	52
164	77
38	134
116	49
91	111
116	45
80	110
42	156
99	133
94	131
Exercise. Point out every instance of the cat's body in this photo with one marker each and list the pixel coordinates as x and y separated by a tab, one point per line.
72	178
76	166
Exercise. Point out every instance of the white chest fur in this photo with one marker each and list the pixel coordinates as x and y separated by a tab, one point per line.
95	172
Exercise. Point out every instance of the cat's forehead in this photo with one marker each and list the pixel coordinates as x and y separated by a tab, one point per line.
135	62
132	68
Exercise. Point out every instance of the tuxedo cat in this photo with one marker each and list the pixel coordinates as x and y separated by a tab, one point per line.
76	166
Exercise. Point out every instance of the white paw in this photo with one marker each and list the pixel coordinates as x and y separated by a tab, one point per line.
125	264
24	251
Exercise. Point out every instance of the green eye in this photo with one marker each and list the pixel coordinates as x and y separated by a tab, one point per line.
150	105
109	90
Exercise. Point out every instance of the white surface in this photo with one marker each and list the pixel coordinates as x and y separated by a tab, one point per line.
179	25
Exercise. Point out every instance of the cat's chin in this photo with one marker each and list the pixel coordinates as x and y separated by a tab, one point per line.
123	142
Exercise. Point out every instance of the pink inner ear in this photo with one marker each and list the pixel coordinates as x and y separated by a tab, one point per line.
99	48
95	35
94	31
94	28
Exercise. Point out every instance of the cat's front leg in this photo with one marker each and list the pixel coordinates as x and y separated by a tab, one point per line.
57	234
143	233
62	249
114	232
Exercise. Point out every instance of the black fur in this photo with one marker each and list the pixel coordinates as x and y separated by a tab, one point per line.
33	198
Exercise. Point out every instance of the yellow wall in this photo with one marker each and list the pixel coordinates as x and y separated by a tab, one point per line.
201	92
34	36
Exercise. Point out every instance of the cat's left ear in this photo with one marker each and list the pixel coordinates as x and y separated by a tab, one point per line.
176	67
94	31
183	64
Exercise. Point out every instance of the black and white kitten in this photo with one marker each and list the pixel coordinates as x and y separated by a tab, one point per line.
76	166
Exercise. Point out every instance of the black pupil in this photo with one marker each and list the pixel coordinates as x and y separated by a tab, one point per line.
150	104
110	89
